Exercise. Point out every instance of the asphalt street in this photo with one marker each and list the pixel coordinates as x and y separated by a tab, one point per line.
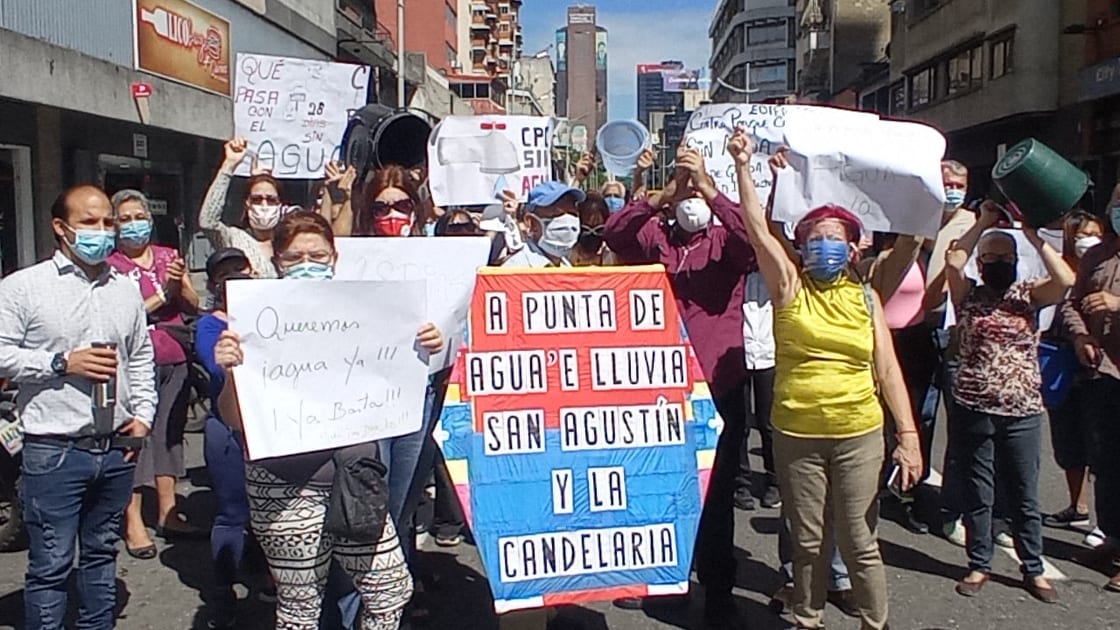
165	593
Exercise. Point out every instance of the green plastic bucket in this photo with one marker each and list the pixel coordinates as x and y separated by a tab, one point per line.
1043	184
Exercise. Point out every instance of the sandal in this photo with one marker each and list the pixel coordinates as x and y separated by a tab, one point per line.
142	553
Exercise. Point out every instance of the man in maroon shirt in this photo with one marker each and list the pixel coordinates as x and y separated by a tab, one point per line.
706	263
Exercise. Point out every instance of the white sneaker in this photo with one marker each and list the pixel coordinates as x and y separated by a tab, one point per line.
954	533
1003	539
1095	538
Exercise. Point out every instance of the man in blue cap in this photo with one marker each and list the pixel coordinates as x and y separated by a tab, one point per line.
551	226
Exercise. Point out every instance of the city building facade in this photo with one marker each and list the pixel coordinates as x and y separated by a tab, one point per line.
1010	75
581	69
755	39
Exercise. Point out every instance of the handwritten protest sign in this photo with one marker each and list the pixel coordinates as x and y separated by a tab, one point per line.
294	111
579	433
711	126
449	264
888	173
472	159
328	369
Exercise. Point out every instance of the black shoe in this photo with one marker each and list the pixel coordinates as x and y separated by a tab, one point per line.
912	523
773	497
845	601
1068	517
743	500
628	603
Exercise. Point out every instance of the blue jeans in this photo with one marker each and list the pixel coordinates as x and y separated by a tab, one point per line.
1016	443
838	579
222	449
72	495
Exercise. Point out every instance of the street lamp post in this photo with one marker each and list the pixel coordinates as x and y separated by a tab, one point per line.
400	54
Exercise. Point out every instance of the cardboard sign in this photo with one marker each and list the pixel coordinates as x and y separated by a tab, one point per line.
472	159
327	363
449	264
293	111
888	173
580	434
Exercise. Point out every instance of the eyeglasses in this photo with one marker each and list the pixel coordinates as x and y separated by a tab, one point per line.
269	199
287	259
384	207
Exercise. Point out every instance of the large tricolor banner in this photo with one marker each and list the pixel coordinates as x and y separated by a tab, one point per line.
580	435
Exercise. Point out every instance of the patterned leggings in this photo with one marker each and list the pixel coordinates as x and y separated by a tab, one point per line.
288	522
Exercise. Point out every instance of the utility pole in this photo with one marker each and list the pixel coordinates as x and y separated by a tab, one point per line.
400	54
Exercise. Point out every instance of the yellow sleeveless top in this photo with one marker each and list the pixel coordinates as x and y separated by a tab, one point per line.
824	384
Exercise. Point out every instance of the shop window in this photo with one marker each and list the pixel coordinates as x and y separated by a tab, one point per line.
1002	51
767	33
922	87
965	70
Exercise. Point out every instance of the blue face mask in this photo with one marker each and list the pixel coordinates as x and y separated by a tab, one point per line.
614	204
93	246
954	198
1114	217
825	260
309	271
137	232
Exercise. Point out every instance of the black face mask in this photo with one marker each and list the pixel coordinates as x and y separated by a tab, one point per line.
591	238
999	275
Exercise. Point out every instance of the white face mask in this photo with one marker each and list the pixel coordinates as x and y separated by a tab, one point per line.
263	217
559	235
693	214
1084	244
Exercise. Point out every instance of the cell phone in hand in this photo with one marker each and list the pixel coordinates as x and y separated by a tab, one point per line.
894	481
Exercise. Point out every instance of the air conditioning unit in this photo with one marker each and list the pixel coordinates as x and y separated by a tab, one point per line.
457	66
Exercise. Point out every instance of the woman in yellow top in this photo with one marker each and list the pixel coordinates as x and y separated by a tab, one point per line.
834	348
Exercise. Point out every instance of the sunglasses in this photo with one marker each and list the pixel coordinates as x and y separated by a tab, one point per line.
461	228
269	199
288	259
383	207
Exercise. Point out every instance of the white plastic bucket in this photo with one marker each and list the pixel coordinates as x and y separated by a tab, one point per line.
620	144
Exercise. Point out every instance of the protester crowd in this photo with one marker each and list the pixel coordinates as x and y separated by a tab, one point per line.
837	345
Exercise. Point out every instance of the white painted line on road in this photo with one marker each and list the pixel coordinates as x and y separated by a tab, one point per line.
934	478
1049	571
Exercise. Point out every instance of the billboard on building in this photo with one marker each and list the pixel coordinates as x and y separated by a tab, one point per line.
679	80
561	50
178	40
601	50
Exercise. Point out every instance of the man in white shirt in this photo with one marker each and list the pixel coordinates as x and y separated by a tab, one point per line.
77	460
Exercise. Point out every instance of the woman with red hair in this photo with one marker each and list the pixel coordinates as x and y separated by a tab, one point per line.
834	358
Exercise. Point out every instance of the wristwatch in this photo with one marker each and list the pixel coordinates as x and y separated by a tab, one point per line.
58	364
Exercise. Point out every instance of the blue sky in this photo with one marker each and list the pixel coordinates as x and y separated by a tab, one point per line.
639	31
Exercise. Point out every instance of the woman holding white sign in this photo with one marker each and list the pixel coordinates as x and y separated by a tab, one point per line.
261	214
834	351
288	496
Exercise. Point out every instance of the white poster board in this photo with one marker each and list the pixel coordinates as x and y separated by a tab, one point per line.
710	127
448	263
888	173
472	159
293	111
324	368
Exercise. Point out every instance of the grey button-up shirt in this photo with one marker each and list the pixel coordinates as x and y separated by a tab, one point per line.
54	307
